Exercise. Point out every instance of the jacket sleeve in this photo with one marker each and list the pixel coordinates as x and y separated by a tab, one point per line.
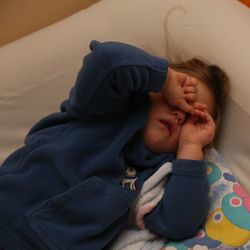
185	202
112	76
111	72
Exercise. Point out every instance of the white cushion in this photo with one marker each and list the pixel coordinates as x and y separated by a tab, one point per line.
38	70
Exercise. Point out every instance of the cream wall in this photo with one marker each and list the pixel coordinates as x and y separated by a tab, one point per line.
21	17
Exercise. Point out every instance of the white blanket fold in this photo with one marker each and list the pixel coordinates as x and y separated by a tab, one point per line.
136	236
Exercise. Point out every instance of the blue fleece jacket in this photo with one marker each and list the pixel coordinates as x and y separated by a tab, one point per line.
62	189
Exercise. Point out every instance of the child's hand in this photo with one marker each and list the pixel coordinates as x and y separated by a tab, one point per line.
197	132
180	90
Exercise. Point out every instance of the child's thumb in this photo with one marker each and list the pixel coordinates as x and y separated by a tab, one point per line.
185	107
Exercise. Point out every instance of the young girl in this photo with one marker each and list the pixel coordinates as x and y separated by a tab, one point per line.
63	190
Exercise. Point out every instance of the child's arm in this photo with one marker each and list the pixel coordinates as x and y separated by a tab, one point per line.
185	202
110	73
184	205
196	133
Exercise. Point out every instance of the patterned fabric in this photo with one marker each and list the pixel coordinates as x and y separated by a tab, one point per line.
228	222
227	226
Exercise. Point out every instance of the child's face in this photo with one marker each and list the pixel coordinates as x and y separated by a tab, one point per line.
164	124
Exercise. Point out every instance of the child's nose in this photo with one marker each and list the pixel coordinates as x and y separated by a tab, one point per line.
180	116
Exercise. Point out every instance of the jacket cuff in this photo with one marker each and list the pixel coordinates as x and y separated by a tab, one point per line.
189	167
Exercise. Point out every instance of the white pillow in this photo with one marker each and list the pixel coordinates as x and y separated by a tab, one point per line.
38	70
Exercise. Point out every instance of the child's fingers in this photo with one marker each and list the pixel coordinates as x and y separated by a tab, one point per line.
190	97
209	119
190	92
190	81
190	89
200	106
203	116
183	105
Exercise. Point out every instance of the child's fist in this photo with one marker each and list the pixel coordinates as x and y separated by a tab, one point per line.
197	132
180	90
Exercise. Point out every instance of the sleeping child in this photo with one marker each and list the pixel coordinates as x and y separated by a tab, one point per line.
128	113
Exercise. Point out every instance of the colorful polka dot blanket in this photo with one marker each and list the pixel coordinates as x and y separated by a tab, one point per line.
228	223
227	226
